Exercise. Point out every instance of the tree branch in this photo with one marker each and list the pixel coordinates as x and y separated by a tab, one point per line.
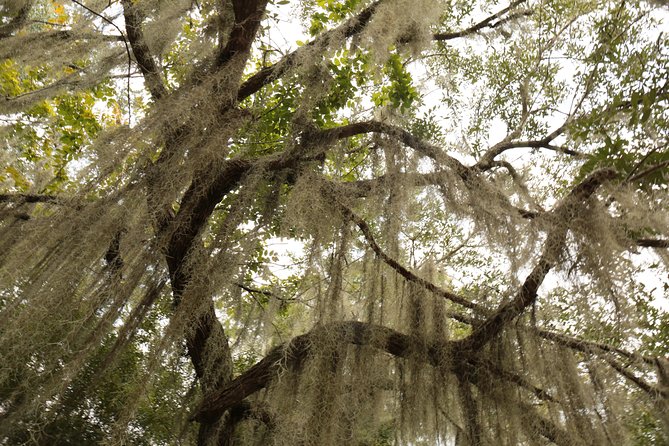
554	244
125	42
29	198
591	346
524	192
63	35
486	161
18	21
639	382
248	14
291	355
652	243
145	61
351	27
649	170
492	22
408	275
296	351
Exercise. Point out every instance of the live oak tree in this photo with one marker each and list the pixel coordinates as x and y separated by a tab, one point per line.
479	188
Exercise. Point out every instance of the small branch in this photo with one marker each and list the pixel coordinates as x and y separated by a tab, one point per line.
67	34
652	243
403	271
29	198
125	42
591	346
129	328
350	28
267	293
71	80
639	382
487	159
18	21
254	290
640	163
492	22
648	171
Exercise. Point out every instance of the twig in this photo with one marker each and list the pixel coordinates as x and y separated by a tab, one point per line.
492	21
125	42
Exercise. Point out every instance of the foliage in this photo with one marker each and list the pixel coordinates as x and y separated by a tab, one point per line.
412	222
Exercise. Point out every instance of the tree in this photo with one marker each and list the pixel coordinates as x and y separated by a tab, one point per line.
480	190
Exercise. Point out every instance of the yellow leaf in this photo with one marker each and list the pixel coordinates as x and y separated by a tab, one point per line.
19	180
59	11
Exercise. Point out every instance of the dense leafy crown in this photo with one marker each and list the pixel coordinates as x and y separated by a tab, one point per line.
473	197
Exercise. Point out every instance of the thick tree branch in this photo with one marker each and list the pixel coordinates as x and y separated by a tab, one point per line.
248	14
290	356
545	427
209	187
527	294
294	353
145	61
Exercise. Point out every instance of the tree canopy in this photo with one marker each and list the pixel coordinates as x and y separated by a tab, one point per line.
325	222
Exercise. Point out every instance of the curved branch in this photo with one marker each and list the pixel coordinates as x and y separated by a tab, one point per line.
296	351
405	137
486	161
362	188
292	355
408	275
